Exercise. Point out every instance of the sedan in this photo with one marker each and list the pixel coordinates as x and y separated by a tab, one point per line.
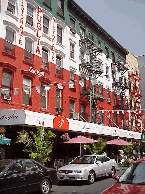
25	175
87	168
131	182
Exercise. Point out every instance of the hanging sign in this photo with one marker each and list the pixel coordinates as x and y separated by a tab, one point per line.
21	23
60	122
39	10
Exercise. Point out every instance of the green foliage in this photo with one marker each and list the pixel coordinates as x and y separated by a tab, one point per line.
97	147
38	144
127	162
128	149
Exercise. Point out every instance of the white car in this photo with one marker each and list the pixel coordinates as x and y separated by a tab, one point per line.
88	168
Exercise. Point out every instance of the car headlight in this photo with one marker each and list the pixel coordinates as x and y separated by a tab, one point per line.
77	171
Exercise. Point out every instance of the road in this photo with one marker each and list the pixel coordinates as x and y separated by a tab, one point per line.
83	188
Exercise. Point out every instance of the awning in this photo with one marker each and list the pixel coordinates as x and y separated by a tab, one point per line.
4	140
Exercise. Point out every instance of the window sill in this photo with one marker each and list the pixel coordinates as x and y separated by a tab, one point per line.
46	36
31	27
60	15
60	44
7	101
72	59
28	63
9	55
11	15
27	106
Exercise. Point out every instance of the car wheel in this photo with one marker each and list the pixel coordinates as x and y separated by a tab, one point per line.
113	172
91	177
45	186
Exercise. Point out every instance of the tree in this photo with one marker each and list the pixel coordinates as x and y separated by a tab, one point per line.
38	144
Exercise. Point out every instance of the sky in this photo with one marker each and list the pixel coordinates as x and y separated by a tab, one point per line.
124	20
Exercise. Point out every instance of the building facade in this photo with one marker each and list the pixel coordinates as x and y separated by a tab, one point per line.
57	65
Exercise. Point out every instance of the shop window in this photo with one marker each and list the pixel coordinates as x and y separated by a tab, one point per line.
82	32
6	85
83	110
59	35
29	18
28	50
43	96
58	99
26	91
60	7
107	52
72	49
9	40
44	58
45	25
58	65
11	6
72	109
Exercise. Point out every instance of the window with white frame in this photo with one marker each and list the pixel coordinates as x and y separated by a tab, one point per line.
59	35
60	7
6	85
45	25
11	6
26	91
44	58
58	98
29	18
91	36
28	50
9	40
72	109
43	96
72	50
47	3
82	32
59	65
83	109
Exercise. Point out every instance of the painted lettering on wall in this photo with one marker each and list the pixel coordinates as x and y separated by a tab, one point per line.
36	72
53	40
39	18
21	23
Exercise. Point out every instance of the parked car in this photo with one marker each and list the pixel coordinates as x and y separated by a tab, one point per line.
87	168
132	180
24	175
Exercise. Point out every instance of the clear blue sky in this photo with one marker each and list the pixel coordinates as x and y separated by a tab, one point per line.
124	20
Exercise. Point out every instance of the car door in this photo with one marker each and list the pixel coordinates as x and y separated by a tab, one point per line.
32	174
12	180
107	165
98	166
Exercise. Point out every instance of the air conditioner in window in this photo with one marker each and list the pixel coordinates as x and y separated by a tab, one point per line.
7	97
74	115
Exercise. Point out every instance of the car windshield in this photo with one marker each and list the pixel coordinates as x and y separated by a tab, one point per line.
84	160
4	164
135	174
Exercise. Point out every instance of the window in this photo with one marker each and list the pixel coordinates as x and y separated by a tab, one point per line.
9	40
101	117
83	108
29	18
6	85
99	43
106	51
26	91
82	32
15	168
113	56
109	119
60	7
108	95
11	6
107	72
28	50
71	75
72	23
44	58
101	90
58	65
72	109
47	3
72	49
115	119
43	96
58	98
45	25
29	166
91	36
59	35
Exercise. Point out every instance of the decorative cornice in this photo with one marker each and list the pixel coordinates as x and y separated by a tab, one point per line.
58	52
31	36
8	66
11	25
47	14
48	46
45	80
60	23
32	3
28	74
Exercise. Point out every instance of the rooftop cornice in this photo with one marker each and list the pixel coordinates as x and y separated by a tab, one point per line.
73	6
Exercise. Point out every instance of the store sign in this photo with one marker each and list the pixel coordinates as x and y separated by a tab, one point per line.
53	40
60	122
36	72
21	23
39	19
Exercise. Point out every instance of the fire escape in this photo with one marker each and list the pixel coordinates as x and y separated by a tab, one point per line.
90	69
135	102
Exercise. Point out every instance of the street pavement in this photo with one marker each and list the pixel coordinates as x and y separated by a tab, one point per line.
83	188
